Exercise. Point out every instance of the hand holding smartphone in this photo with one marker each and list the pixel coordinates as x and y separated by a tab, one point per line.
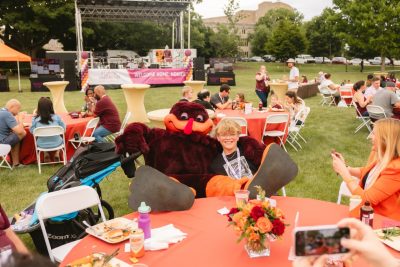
319	240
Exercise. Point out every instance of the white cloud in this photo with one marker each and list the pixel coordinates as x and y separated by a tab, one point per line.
309	8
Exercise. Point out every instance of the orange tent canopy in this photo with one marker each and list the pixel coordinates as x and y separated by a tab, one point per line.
9	54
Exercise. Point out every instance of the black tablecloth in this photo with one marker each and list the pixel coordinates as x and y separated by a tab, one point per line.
307	90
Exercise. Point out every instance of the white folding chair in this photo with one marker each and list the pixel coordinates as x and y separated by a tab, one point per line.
376	112
346	93
327	97
242	123
343	191
49	131
84	139
365	120
4	150
276	119
63	202
111	137
294	129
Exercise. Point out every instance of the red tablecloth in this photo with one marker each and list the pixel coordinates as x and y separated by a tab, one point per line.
210	242
27	153
255	123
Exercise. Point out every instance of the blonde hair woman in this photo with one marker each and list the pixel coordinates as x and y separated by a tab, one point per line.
379	180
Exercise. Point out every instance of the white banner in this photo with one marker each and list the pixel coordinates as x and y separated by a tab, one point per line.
109	76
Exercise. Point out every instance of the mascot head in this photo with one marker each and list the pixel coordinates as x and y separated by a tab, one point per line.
188	118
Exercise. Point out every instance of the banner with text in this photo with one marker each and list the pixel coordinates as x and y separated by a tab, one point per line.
144	76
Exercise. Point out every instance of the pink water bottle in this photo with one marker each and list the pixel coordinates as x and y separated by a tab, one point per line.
144	219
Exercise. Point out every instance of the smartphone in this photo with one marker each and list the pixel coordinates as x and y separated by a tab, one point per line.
319	240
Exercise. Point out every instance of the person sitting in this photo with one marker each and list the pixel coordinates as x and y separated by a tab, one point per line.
11	128
231	161
368	83
383	81
294	104
391	78
187	94
327	87
275	102
239	102
304	79
108	114
45	117
321	77
221	100
379	181
90	102
203	98
359	98
375	87
387	99
8	237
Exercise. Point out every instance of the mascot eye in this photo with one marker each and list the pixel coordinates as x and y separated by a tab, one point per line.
184	116
199	118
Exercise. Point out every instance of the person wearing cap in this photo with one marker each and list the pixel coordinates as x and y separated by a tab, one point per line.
294	75
387	99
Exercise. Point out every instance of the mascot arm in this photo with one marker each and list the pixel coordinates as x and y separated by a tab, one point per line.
252	149
136	138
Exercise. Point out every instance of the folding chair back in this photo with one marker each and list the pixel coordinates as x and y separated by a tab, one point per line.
365	120
49	131
4	150
343	191
327	97
125	122
276	119
91	125
63	202
376	112
242	123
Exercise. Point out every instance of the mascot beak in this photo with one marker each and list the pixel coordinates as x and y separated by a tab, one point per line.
189	127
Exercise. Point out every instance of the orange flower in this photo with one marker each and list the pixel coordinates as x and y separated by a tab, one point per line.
264	225
256	202
237	216
242	222
265	204
279	213
253	237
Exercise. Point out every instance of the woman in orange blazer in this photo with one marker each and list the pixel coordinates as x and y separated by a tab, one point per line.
379	180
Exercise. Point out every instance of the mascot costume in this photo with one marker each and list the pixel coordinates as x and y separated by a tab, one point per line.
178	161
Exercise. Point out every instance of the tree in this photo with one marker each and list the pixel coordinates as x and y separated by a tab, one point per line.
224	43
31	24
286	41
370	26
266	24
322	35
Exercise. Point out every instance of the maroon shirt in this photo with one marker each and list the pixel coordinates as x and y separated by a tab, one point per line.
260	85
108	114
4	225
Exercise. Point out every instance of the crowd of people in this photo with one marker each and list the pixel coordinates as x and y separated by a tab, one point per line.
12	129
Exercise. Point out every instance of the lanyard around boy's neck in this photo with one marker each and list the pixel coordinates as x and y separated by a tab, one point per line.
236	175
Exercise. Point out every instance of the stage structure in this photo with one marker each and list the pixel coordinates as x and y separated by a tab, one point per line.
161	11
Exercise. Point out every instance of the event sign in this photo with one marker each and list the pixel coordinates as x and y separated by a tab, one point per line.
144	76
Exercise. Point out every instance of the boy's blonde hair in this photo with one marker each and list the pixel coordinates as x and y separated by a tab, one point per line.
226	127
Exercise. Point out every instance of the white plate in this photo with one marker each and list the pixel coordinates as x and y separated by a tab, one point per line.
99	231
114	262
394	243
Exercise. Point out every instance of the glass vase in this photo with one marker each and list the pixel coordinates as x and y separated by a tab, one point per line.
255	249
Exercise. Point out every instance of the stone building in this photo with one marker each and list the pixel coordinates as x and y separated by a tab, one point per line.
247	23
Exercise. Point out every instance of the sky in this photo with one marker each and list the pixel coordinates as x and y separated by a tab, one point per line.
309	8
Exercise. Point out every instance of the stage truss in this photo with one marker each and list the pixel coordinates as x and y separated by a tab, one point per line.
161	11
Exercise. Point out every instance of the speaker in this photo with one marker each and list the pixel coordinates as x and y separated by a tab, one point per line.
70	75
154	66
198	63
199	75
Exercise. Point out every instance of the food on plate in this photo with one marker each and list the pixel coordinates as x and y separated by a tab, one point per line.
389	233
116	235
95	260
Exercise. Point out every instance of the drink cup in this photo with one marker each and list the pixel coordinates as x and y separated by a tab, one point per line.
242	197
136	241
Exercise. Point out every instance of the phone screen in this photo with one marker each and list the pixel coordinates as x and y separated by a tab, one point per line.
320	241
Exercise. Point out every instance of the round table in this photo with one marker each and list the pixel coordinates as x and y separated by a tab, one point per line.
57	89
210	242
27	153
134	97
379	74
197	86
280	89
255	122
157	116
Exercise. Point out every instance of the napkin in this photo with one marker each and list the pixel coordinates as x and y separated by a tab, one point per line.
221	115
223	211
163	236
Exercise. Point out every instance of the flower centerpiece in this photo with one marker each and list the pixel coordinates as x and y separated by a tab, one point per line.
257	222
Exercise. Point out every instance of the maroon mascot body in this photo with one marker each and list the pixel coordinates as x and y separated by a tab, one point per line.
184	150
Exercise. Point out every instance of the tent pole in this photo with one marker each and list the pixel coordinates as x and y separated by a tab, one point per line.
173	35
189	28
181	30
19	79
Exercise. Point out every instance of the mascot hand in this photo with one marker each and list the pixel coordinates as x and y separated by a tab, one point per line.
133	139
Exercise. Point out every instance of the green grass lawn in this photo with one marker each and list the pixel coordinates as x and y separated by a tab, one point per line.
327	128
